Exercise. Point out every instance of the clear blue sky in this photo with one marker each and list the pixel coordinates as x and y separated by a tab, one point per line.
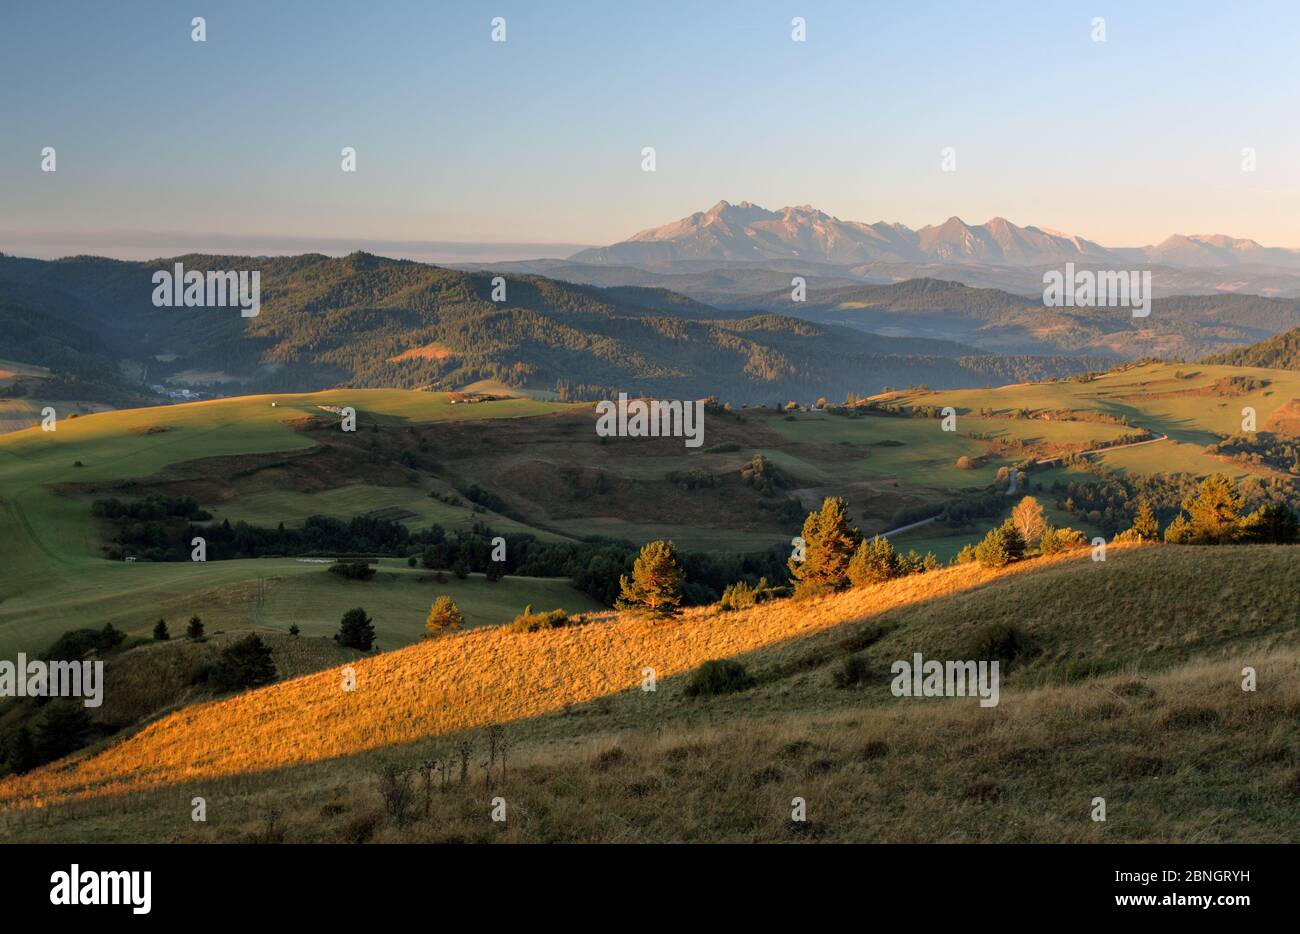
538	139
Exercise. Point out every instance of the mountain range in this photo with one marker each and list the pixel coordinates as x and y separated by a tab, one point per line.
746	232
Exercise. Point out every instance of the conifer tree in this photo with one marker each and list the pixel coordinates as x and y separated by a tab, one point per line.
356	630
444	615
829	543
873	561
656	583
1145	523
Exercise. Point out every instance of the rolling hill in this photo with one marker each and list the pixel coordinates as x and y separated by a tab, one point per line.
1186	327
1280	352
1143	707
366	321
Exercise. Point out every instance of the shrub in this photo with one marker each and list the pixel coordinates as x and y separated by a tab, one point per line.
160	633
740	595
195	628
443	616
853	671
352	570
528	621
396	788
719	676
1003	642
360	827
965	463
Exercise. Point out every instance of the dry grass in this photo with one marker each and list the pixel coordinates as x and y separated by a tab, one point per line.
1168	737
454	683
1184	756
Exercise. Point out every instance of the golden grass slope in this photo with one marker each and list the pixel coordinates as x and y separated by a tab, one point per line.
494	676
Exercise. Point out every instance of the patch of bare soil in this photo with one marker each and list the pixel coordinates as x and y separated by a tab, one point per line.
1285	421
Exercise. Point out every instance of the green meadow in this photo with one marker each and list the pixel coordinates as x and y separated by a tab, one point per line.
55	579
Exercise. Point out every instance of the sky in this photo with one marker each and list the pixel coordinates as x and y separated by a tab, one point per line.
534	145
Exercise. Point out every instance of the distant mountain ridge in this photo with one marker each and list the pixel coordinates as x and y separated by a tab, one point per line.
746	232
364	320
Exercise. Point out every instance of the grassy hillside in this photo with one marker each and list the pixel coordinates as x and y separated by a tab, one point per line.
244	459
56	579
1133	695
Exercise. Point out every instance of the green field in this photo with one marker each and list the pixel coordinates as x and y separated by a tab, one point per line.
55	578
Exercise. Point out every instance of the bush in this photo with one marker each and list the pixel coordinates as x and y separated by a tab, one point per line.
396	788
720	676
528	621
244	664
352	570
965	463
853	671
160	633
1002	642
740	595
1057	540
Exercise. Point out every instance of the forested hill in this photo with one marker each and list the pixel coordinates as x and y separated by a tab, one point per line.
1279	353
368	321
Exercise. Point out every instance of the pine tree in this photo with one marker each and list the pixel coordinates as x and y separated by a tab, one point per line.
356	630
1214	511
444	615
244	664
829	543
1001	546
1145	523
160	633
656	583
1274	523
873	561
195	628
